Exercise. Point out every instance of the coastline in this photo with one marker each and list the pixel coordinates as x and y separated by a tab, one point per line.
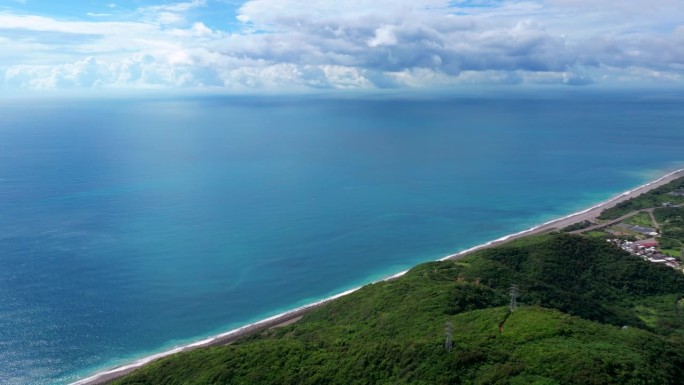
587	214
294	315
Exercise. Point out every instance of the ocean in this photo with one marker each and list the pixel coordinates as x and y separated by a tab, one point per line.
129	226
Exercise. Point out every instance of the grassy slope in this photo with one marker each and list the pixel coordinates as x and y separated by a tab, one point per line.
641	219
577	293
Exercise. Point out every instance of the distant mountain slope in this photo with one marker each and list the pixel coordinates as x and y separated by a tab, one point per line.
588	314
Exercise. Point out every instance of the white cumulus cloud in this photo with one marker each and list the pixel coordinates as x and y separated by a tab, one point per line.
362	44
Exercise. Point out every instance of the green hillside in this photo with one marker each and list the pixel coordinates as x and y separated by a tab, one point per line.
588	314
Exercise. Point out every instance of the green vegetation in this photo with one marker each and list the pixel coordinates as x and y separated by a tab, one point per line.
597	234
672	221
641	219
654	198
669	243
656	312
671	247
577	226
589	314
676	253
624	233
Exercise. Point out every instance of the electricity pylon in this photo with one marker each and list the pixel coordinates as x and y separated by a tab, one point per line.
449	331
514	298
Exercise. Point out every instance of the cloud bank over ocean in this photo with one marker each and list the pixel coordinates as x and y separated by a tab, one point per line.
364	44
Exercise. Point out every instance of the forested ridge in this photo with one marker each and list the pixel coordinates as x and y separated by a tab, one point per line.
587	313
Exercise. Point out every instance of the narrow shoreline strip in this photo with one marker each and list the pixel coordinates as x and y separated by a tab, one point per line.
293	315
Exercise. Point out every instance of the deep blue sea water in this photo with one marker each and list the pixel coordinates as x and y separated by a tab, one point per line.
129	226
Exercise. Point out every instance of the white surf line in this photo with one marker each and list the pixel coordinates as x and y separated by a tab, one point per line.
578	213
205	342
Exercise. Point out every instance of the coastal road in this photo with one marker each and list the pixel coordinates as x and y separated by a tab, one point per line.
615	221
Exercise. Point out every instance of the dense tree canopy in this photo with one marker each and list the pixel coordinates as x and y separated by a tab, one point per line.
589	314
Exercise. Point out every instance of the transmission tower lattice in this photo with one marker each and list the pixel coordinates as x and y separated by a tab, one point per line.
449	331
514	298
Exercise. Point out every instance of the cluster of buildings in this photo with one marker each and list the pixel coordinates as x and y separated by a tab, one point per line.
648	250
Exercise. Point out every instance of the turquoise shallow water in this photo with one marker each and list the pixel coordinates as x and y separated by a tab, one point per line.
129	226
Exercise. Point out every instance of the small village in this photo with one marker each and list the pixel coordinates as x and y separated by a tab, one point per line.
648	250
640	238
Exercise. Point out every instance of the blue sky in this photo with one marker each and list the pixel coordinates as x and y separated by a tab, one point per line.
330	44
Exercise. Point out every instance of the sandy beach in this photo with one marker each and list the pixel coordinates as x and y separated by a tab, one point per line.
287	318
589	214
